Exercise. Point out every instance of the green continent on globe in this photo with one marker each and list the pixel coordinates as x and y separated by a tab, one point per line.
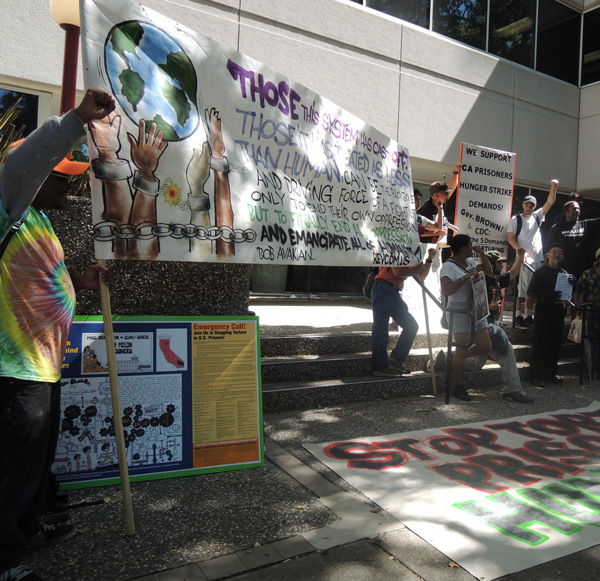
177	99
180	67
132	87
126	38
169	132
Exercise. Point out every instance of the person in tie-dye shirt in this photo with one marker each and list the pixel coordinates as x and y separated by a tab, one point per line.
37	304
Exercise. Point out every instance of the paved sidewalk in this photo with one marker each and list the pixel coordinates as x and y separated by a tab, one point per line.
294	518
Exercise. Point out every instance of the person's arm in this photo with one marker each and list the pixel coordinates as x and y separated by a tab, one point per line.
516	267
512	237
439	223
428	261
27	166
449	286
551	197
432	228
406	271
454	180
90	279
485	265
512	240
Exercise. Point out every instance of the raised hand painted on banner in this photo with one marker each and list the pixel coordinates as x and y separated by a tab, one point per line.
223	209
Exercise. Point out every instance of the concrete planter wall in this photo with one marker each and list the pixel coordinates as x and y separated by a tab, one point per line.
151	288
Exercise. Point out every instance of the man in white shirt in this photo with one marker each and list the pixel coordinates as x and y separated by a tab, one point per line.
524	232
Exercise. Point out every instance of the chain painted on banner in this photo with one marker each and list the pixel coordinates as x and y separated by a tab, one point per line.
107	231
237	169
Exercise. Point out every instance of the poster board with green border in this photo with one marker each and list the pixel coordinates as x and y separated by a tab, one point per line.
191	399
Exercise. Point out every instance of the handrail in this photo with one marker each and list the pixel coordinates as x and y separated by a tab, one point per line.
451	311
584	308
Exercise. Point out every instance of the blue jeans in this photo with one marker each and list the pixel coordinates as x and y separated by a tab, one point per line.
387	302
29	416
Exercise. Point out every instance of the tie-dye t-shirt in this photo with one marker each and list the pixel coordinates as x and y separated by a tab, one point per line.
37	302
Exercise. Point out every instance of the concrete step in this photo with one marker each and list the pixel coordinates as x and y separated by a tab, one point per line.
358	342
301	394
332	366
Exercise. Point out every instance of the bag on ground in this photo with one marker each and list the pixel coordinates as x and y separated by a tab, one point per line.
575	330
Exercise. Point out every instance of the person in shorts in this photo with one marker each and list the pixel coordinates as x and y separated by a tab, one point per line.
455	281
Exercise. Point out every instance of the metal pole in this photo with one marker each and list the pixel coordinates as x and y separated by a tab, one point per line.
70	60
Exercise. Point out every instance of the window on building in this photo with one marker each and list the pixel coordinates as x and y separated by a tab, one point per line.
462	20
558	41
413	11
590	62
512	30
28	107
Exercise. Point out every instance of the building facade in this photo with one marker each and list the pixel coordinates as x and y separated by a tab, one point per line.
515	75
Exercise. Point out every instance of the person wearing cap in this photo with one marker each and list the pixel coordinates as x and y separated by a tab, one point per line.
37	304
549	322
502	351
524	232
578	237
588	292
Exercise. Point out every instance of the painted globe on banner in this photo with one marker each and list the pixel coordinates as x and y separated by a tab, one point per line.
152	78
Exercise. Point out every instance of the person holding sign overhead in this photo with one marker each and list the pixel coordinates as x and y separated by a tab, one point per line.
524	232
37	304
456	283
439	193
550	315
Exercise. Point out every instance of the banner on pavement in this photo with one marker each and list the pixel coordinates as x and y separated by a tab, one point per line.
525	487
212	156
484	195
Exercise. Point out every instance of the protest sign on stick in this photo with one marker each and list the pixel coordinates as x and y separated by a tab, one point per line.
210	156
484	195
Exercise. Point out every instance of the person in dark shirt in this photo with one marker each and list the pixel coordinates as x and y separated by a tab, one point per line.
578	237
500	280
549	321
439	193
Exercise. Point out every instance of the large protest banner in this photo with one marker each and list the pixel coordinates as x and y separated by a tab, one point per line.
484	195
496	497
212	156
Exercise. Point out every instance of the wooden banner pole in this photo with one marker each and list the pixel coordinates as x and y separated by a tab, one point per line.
116	405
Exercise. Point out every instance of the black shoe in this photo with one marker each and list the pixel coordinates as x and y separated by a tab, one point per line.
19	572
519	396
528	322
50	534
519	321
462	393
397	366
555	380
